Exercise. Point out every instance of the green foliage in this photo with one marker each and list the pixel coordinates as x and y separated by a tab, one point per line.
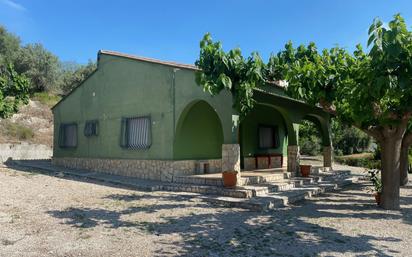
365	160
348	140
73	74
14	90
229	71
42	68
375	178
309	139
9	46
367	89
46	98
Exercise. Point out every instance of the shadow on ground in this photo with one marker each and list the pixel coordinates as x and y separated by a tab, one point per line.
307	229
231	232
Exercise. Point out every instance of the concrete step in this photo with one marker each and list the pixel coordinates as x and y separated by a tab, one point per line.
282	198
238	192
216	179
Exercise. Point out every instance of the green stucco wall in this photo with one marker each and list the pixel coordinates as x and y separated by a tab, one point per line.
200	134
124	87
263	115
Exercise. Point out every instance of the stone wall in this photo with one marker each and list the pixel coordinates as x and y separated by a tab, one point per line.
163	170
24	151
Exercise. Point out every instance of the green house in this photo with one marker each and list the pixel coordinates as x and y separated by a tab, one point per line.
147	118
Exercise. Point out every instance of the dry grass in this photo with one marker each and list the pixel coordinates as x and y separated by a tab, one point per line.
33	124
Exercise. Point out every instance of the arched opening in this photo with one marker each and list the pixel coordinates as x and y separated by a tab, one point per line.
199	133
263	138
313	138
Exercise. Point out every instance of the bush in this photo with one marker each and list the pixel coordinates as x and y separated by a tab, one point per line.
309	139
359	160
348	140
310	145
17	131
46	98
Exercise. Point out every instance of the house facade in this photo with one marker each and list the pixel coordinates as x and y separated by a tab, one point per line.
149	119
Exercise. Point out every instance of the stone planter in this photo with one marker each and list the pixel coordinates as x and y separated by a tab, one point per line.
305	170
229	179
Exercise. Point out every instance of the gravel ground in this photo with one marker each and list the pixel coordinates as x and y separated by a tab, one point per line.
45	215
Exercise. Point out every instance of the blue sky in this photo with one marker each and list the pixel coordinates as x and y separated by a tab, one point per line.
171	30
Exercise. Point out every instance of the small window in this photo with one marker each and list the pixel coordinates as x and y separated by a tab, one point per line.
136	133
268	137
68	135
91	128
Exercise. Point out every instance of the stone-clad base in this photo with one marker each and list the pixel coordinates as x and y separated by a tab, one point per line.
163	170
230	157
293	159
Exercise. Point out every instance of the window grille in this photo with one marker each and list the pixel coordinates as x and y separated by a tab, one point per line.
91	128
136	133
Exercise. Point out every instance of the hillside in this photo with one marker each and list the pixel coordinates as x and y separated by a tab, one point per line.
32	124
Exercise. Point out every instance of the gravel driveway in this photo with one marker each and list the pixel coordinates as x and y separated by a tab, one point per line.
52	215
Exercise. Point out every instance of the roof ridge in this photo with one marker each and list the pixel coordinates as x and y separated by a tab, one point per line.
152	60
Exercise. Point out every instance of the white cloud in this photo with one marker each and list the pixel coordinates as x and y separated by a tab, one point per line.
13	5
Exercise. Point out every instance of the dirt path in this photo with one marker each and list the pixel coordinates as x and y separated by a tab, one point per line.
43	215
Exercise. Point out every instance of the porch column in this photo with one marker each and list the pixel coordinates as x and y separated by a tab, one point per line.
327	157
231	157
293	159
231	149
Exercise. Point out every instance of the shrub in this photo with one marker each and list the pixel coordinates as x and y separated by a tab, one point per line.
359	160
17	131
46	98
310	145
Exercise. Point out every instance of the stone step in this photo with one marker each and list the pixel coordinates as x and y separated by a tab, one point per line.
246	191
238	192
216	180
280	199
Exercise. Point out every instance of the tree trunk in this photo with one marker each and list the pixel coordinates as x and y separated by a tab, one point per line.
391	152
404	163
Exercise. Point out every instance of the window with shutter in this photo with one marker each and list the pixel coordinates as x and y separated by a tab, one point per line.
136	133
68	135
91	128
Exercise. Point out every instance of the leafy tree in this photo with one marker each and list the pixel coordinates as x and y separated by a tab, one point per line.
9	46
40	66
371	91
347	139
14	90
229	71
72	74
